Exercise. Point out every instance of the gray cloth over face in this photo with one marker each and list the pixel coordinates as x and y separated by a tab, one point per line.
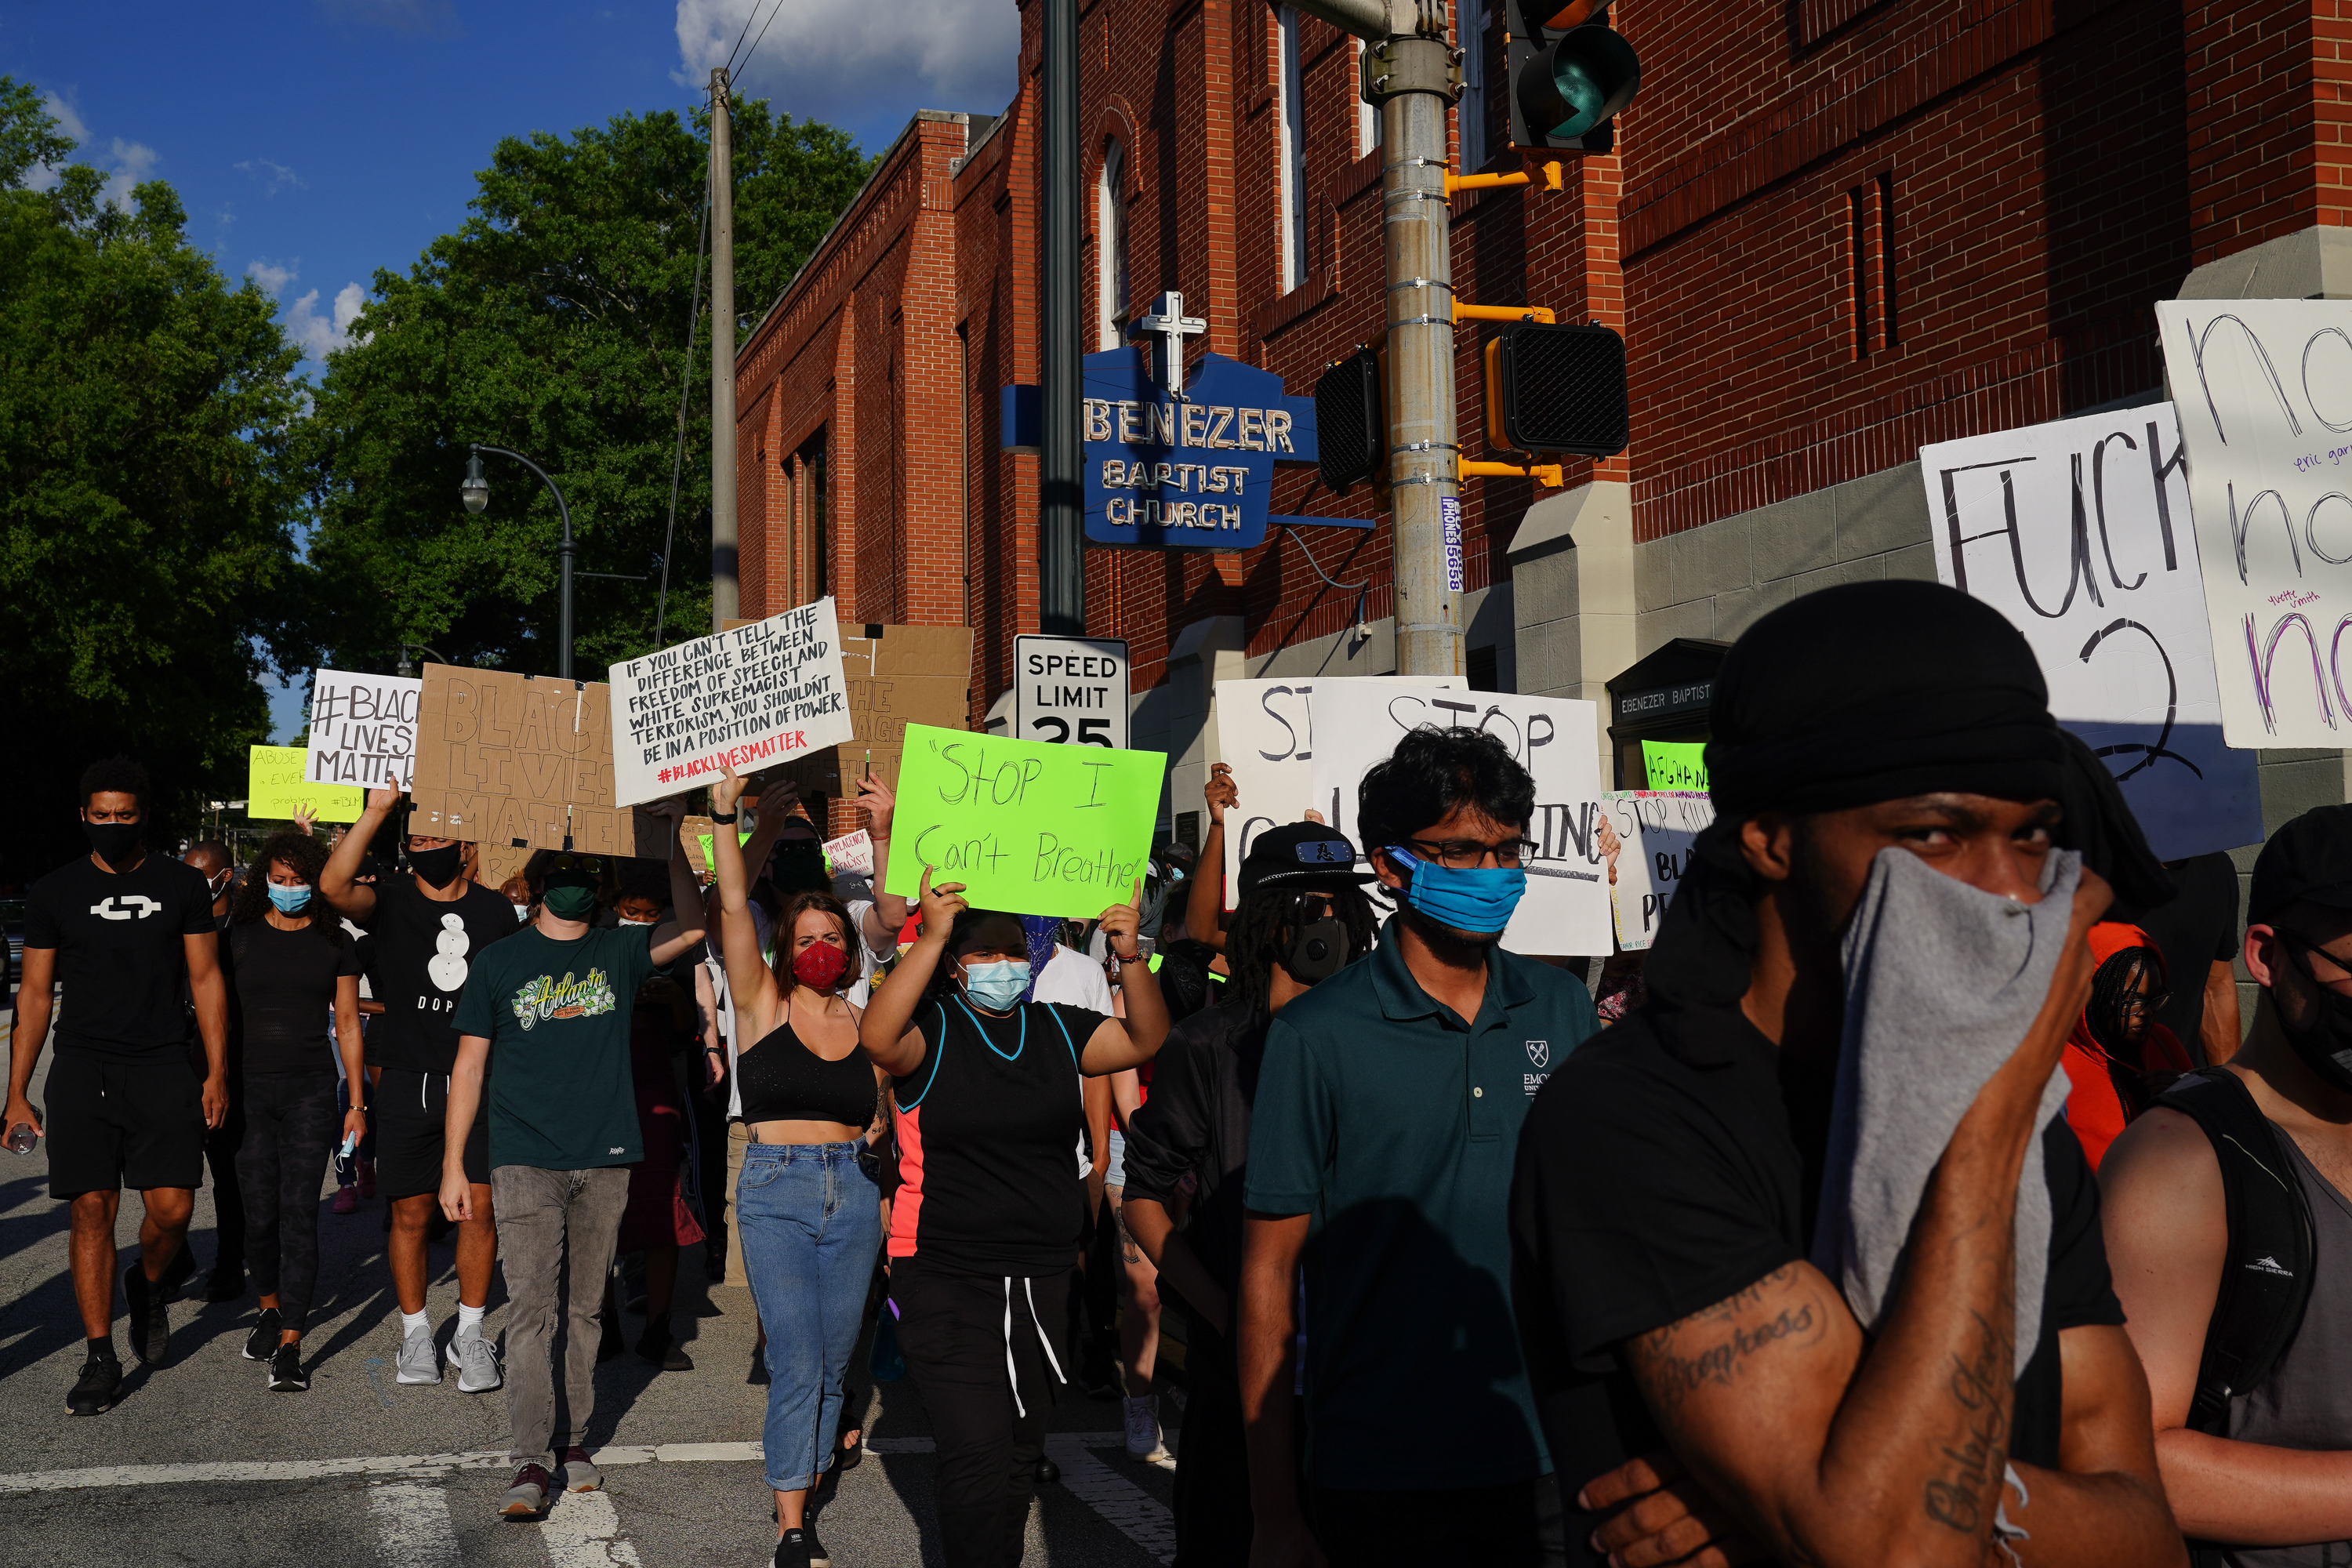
1942	981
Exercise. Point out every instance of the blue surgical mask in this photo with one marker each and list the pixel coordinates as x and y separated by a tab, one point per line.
1465	901
289	901
996	986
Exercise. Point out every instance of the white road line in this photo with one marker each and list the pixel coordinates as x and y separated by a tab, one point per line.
1134	1513
412	1527
583	1530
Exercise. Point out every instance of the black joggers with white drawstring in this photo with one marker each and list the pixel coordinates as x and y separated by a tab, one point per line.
984	1352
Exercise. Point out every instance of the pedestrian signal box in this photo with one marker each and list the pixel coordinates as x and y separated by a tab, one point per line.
1351	431
1570	74
1556	389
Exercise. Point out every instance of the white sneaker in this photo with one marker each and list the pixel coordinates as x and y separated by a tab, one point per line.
417	1363
477	1361
1143	1444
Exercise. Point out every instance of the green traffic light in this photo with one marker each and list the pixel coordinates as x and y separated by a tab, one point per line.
1579	92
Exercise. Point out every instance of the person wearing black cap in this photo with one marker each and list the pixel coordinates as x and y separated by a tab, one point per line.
1388	1105
1665	1212
2232	1243
1302	917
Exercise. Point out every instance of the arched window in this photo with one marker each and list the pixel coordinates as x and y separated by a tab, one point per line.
1110	252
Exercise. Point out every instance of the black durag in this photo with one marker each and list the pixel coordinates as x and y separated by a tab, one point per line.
1863	693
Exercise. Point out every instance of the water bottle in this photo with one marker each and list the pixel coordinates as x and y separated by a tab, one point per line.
21	1137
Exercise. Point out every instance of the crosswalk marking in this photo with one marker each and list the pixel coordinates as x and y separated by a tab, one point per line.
412	1527
582	1530
1127	1508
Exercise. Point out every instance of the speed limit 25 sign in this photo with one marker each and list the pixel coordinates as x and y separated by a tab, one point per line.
1070	688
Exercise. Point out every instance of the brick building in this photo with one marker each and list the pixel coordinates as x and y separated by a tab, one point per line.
1835	230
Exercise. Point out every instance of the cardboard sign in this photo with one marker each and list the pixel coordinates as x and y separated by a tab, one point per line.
1028	828
2078	531
897	676
1565	911
524	760
2263	389
495	863
1675	765
696	833
362	728
851	855
1265	734
276	786
1654	829
743	698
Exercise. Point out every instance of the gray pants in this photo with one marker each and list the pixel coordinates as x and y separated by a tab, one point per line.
546	1220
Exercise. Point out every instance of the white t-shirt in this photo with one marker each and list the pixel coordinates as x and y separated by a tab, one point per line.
1074	978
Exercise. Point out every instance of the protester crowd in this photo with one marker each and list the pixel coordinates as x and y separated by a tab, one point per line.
1918	1201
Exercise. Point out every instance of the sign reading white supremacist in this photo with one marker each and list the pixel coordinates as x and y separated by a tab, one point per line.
747	699
362	729
2263	390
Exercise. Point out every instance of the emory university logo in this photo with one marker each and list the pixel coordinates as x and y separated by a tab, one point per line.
104	908
1540	1052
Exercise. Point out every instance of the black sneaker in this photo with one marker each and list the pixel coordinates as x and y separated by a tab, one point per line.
95	1391
817	1555
287	1375
262	1344
151	1321
226	1283
792	1550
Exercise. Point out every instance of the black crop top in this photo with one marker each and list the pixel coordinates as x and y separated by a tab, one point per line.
782	1080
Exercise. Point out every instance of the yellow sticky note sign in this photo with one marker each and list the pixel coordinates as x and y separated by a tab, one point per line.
1675	764
275	788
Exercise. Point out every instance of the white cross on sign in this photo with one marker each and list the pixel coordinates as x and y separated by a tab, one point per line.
1172	326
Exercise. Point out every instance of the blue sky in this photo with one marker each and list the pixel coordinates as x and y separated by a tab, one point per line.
315	140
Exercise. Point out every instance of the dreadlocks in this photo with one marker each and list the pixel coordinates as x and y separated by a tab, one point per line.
2114	990
1267	920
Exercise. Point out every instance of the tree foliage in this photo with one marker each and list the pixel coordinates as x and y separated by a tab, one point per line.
555	323
148	498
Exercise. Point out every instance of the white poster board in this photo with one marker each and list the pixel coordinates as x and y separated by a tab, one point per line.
1565	911
851	855
2264	391
1654	829
2077	530
761	694
1071	690
1265	734
362	729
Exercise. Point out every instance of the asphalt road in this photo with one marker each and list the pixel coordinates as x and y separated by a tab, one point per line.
199	1463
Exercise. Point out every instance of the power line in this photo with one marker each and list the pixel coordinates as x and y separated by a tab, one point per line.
748	18
771	22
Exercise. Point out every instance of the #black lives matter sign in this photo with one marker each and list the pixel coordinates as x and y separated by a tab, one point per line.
761	694
362	729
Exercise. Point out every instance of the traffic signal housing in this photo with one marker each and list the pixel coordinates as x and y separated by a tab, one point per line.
1556	389
1350	428
1570	74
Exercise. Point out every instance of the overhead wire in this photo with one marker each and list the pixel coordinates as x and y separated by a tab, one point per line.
771	22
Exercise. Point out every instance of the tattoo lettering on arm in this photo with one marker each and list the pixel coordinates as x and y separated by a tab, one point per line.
1719	1348
1962	1498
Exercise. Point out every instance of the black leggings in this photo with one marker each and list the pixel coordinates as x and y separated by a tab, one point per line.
952	1330
290	1122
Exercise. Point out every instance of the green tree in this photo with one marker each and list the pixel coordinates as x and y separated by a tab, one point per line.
148	498
555	323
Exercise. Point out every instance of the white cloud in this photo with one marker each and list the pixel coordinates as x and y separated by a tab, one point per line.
133	161
320	335
272	176
273	279
68	121
831	58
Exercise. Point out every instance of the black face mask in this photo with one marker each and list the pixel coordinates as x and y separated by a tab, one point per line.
798	866
1318	952
2325	1043
438	866
117	843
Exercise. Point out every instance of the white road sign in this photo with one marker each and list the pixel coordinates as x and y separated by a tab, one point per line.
1070	689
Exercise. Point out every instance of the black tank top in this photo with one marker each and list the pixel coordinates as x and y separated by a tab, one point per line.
782	1080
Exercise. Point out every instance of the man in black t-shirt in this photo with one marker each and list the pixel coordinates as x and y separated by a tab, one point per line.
211	859
425	929
126	933
1670	1173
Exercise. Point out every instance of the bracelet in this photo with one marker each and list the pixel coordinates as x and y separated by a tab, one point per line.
729	817
1129	957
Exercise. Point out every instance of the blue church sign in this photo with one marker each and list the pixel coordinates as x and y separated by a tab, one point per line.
1175	467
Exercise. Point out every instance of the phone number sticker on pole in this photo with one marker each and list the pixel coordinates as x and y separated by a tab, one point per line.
1028	829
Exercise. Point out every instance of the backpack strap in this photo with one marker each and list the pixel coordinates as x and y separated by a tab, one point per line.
2266	1272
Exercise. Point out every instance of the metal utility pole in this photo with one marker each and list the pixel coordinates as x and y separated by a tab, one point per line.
723	587
1061	569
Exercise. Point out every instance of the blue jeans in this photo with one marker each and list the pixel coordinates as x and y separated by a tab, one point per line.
809	1224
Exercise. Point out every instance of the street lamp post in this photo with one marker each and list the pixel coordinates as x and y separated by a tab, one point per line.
476	493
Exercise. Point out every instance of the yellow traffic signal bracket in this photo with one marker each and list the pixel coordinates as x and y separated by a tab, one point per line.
1551	181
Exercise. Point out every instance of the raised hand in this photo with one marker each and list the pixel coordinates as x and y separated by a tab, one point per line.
940	905
1125	920
382	799
1221	793
874	799
728	791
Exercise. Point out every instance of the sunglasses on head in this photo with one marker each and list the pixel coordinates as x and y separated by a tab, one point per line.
590	864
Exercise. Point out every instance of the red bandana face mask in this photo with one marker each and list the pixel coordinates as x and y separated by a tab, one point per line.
819	965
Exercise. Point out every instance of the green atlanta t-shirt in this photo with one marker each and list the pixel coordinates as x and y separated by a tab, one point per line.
557	1016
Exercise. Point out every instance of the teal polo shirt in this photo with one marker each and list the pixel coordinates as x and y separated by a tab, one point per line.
1394	1124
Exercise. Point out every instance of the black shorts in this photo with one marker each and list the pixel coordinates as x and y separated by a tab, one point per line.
119	1121
410	1110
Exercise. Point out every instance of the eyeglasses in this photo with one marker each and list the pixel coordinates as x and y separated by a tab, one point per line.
590	864
1469	854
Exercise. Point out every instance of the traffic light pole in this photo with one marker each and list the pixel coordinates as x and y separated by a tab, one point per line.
723	585
1061	567
1414	80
